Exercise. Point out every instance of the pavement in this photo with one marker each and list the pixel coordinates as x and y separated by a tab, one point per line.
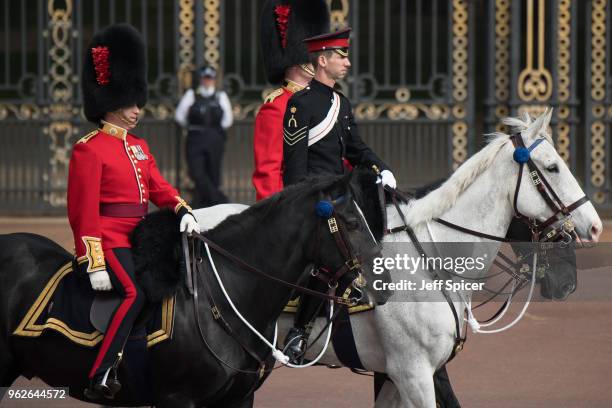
559	355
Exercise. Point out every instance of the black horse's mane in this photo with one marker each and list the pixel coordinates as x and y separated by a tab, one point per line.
259	212
363	188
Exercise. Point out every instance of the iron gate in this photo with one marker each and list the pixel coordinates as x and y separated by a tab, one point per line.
531	64
598	107
427	78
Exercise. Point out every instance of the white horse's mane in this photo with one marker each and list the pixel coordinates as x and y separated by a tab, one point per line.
442	199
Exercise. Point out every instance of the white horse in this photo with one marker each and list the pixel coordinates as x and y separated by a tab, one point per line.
409	341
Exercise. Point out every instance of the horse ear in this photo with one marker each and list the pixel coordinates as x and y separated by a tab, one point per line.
536	127
527	118
364	178
548	113
366	196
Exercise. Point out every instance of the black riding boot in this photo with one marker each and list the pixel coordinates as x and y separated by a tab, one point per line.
104	385
297	338
445	395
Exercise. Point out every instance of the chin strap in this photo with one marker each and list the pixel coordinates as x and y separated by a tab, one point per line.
307	68
121	116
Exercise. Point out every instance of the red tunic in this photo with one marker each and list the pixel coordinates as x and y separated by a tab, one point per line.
268	141
111	166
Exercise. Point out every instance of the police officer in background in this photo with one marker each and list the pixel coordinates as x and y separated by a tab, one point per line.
206	113
112	177
320	133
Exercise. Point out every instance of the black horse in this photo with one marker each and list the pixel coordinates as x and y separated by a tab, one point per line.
281	236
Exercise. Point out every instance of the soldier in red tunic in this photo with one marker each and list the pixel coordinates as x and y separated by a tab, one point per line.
111	179
284	25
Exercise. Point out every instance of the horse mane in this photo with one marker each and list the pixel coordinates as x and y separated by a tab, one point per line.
261	210
363	187
440	200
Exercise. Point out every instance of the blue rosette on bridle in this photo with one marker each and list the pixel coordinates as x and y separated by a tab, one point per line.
521	155
324	209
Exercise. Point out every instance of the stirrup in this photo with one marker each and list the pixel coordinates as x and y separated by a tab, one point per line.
107	388
295	346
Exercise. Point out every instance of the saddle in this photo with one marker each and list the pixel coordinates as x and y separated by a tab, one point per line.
105	304
102	308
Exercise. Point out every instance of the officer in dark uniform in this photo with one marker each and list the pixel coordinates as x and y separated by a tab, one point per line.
206	113
320	134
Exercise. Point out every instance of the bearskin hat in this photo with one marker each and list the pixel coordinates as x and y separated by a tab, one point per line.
284	25
114	71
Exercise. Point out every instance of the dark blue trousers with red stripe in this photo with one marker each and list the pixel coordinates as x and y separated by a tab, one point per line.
120	267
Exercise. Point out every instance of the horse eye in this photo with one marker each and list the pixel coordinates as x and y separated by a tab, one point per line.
553	168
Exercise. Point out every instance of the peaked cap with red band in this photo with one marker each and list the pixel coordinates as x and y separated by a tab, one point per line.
114	75
283	26
338	40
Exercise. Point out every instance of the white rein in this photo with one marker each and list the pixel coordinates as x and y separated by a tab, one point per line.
475	325
276	353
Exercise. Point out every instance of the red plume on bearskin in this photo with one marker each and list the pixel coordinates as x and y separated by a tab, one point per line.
284	25
114	71
282	18
101	65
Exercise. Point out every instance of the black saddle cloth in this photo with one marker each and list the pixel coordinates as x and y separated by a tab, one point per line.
71	304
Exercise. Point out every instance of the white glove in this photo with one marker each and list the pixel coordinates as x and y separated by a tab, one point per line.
100	280
388	179
189	224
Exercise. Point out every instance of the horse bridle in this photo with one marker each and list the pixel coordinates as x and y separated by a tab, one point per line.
352	260
559	224
557	228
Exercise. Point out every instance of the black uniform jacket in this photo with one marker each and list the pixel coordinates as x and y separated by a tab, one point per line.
305	110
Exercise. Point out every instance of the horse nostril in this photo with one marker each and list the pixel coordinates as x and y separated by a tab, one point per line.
595	233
